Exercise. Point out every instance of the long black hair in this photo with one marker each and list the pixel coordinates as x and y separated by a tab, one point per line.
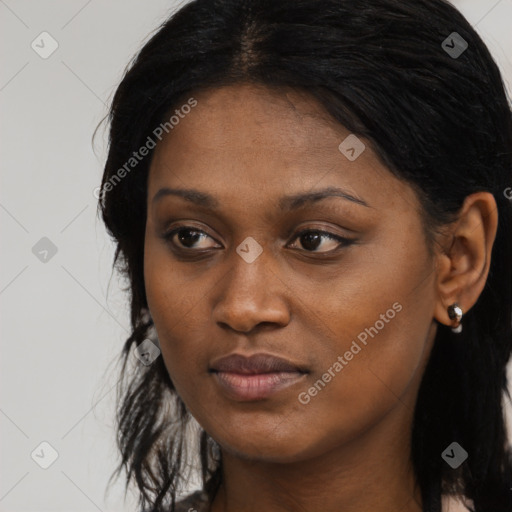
435	109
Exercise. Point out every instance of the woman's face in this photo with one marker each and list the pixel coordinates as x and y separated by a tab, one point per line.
355	315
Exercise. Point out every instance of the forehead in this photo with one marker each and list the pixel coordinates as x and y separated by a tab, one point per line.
254	141
249	113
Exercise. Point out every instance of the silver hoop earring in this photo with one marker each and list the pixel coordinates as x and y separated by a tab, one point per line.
455	313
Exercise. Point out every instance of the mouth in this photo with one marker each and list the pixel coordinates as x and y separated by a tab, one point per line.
256	377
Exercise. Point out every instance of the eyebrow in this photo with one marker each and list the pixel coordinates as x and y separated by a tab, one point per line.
289	202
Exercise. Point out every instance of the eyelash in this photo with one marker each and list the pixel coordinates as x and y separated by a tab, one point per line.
344	242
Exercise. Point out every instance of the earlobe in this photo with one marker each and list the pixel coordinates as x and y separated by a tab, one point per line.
462	265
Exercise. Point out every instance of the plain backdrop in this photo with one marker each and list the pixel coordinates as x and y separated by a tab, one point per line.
64	317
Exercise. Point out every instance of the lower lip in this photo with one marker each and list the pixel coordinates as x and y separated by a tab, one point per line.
243	387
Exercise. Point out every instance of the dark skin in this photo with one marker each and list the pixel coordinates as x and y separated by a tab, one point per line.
348	448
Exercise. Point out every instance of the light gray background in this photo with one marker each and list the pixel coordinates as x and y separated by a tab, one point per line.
64	321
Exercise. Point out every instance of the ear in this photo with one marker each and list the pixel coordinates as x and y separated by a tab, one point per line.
462	263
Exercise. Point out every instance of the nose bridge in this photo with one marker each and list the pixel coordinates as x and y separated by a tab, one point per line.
250	271
249	294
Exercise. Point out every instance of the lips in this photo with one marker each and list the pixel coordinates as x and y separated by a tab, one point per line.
255	364
256	377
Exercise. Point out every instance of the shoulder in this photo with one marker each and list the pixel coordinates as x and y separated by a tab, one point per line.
455	504
195	502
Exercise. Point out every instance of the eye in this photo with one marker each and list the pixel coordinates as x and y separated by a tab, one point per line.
312	239
187	237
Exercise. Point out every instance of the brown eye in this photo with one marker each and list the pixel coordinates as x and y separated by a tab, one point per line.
312	239
185	237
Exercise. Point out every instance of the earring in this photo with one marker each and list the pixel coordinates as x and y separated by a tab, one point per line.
455	313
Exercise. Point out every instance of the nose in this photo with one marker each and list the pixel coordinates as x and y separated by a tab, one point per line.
251	295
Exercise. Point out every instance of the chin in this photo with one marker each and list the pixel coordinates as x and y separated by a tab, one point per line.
264	448
275	455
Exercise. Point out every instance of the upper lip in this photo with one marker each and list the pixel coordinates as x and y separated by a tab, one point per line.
255	364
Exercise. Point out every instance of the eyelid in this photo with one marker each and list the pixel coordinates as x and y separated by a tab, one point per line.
343	241
169	234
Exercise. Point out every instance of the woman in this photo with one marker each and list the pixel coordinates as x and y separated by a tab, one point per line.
309	203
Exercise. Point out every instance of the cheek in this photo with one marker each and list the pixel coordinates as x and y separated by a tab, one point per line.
173	295
377	319
175	304
380	380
